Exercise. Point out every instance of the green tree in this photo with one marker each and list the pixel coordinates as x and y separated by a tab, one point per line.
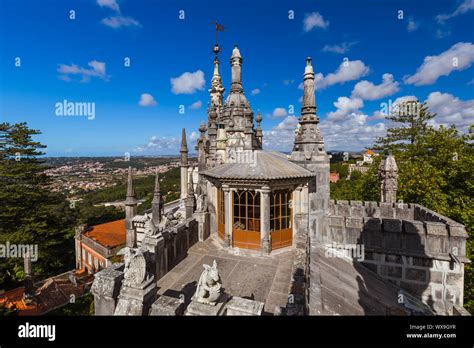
30	213
436	167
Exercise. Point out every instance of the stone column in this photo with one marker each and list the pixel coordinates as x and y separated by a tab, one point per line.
265	220
228	216
105	288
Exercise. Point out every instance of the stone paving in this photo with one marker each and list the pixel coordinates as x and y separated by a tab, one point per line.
261	278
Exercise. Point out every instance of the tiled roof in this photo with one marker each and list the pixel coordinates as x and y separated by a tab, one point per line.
264	165
109	235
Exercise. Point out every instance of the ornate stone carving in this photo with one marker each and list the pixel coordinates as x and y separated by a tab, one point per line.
388	175
209	286
135	267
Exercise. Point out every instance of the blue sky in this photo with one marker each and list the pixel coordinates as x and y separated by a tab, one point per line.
82	60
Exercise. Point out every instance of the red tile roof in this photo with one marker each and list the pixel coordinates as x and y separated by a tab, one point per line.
110	234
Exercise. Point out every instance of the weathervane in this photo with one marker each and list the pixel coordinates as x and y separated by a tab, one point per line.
216	48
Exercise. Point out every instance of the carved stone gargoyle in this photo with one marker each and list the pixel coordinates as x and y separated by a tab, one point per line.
209	286
135	273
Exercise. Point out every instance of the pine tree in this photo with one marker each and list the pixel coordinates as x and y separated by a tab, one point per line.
410	120
30	213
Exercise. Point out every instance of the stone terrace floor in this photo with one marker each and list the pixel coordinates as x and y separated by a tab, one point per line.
266	279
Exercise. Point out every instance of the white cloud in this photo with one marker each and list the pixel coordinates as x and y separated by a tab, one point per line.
314	20
412	25
112	4
196	105
281	136
368	91
97	69
255	91
341	48
440	34
188	83
459	57
120	21
193	136
147	100
344	107
347	71
451	110
279	113
466	6
352	133
288	82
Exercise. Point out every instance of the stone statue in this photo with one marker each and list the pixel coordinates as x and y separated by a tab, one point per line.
150	228
209	286
135	266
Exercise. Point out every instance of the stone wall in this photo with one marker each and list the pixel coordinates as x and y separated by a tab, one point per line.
298	297
178	240
419	250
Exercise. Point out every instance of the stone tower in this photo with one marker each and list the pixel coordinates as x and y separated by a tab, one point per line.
308	152
131	205
157	203
388	175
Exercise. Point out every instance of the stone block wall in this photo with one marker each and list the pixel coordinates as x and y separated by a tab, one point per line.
178	240
419	250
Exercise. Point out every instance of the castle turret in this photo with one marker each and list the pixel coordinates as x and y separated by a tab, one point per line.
308	152
184	166
388	175
157	203
131	205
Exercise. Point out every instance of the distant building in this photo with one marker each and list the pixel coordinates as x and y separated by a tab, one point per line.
95	245
364	165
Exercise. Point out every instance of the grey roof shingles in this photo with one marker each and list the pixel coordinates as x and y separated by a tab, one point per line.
264	165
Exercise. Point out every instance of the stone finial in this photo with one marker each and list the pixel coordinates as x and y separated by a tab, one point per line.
259	132
131	196
184	149
202	130
236	64
156	203
209	286
308	136
388	175
191	185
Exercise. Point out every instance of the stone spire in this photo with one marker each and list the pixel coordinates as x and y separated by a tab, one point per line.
184	148
259	133
190	199
202	147
308	137
388	175
236	64
131	196
217	90
156	203
184	165
131	206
